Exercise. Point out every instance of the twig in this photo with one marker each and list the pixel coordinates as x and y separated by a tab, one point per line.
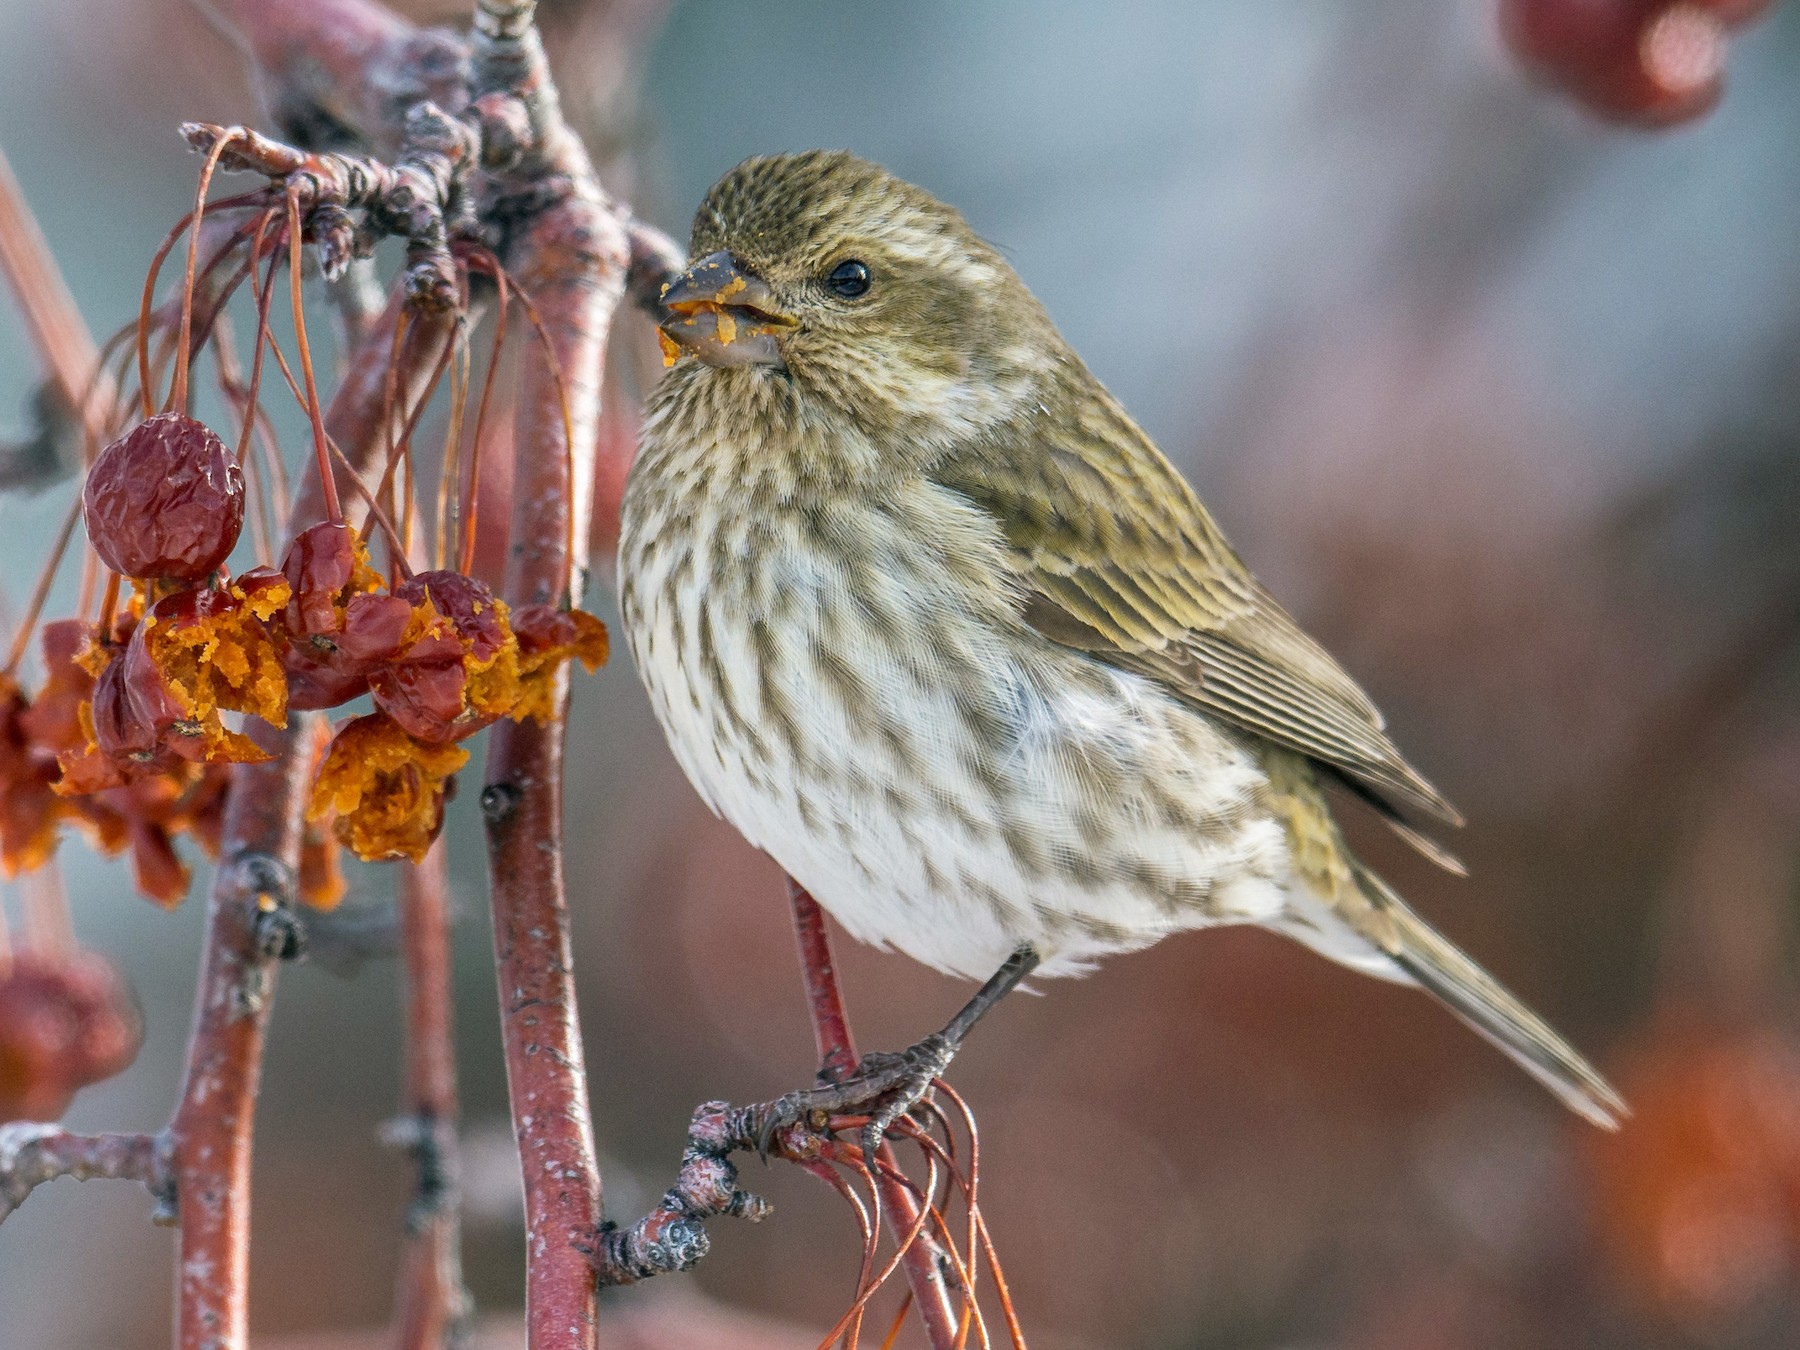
57	329
32	1154
433	1304
655	261
672	1237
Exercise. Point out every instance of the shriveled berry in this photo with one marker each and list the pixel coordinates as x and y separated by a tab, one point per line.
327	669
325	566
165	500
124	729
458	669
548	639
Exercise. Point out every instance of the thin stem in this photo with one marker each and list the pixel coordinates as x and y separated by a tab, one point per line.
389	404
466	564
554	363
146	399
146	384
21	640
109	604
264	294
369	499
400	450
327	479
256	475
907	1236
376	511
448	468
178	391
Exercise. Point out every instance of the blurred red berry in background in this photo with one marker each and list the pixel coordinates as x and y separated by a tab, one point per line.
64	1023
1649	62
1697	1200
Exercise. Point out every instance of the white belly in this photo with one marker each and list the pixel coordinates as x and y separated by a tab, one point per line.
953	797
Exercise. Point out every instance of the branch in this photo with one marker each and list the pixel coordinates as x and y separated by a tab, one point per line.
412	198
837	1056
32	1154
570	260
338	72
248	926
433	1303
655	261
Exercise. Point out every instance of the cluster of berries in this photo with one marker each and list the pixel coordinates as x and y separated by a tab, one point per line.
126	737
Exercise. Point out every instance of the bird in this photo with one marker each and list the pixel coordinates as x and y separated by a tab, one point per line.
930	620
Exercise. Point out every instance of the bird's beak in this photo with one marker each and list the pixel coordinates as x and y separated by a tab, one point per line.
724	314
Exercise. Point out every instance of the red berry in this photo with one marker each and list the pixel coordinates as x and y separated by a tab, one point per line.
327	669
426	686
320	565
123	728
1652	62
165	500
63	1025
1735	13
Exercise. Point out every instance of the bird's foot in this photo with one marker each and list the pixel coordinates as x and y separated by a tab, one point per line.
883	1086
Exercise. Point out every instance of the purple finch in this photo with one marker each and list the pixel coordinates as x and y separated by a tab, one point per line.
928	617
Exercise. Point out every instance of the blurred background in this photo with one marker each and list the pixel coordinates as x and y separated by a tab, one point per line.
1499	400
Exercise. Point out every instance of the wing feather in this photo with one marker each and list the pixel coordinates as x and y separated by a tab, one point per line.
1116	556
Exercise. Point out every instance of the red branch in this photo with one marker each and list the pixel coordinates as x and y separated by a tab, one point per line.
331	66
837	1056
209	1139
57	330
570	264
432	1301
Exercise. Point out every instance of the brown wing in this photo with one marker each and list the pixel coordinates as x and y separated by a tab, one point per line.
1119	558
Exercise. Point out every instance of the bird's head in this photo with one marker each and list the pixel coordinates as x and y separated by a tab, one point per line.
869	293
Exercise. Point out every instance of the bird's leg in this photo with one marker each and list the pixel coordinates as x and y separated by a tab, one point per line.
886	1084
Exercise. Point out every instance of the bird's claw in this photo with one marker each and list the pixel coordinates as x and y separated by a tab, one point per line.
885	1085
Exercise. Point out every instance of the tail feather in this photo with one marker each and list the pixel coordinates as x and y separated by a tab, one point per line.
1479	1000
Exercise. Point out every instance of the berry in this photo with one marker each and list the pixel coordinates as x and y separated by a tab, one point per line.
165	500
63	1025
1651	62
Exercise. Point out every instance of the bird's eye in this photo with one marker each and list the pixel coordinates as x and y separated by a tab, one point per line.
849	279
